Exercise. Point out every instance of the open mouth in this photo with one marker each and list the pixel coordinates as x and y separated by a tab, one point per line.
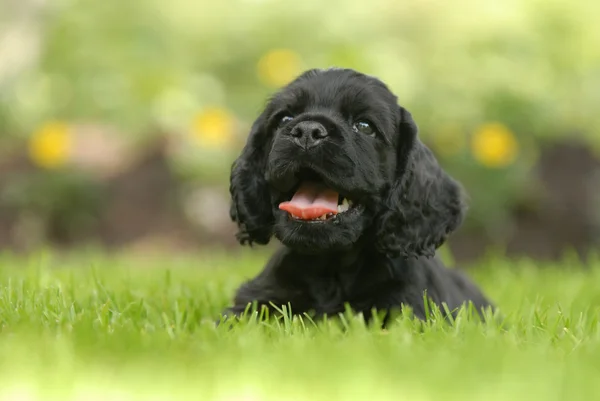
313	201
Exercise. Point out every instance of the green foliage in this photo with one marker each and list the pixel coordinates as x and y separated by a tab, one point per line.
66	202
88	323
150	65
527	63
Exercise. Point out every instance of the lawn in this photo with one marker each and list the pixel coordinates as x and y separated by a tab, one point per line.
92	326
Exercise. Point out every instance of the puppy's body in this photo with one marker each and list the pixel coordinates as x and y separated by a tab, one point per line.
334	169
324	286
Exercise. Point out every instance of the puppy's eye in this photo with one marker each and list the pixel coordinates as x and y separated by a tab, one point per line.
364	127
285	119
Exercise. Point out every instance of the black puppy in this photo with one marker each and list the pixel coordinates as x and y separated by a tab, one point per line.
333	168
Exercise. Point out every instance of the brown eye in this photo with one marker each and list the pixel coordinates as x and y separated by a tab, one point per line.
364	127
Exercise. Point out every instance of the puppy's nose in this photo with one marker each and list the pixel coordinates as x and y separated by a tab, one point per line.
308	134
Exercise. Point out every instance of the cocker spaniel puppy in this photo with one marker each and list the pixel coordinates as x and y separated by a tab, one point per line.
333	168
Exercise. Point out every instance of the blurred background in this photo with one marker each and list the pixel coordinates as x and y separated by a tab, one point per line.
119	120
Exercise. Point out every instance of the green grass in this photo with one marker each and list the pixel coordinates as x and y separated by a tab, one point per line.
92	327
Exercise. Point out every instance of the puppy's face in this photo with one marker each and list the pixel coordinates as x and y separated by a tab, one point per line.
330	157
332	153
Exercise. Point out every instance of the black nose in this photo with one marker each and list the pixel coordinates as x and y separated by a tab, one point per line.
308	134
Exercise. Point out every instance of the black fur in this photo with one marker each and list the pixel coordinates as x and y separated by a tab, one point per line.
381	254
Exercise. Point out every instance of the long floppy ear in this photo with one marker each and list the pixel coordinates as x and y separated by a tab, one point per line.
424	205
250	195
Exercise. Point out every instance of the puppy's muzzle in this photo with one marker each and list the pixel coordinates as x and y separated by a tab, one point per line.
308	134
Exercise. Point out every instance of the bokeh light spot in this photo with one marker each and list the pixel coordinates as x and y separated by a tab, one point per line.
214	127
278	67
50	145
494	145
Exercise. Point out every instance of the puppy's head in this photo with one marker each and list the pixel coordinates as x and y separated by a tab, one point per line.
333	161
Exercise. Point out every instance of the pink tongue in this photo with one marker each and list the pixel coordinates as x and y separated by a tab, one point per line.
310	201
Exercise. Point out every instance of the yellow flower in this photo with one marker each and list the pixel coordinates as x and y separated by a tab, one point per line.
494	145
214	127
50	145
278	67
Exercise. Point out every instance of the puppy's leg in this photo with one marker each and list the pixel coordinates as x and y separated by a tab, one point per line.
262	292
252	295
271	287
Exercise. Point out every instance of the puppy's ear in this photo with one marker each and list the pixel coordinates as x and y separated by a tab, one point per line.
424	205
250	195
